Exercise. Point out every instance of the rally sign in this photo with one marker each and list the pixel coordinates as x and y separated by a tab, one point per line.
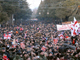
63	27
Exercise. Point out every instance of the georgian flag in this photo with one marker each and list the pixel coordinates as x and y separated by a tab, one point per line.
76	24
22	45
55	40
74	27
43	48
61	36
13	46
7	36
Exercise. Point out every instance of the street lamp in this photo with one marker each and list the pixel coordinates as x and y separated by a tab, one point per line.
55	21
61	21
21	21
39	13
13	19
47	13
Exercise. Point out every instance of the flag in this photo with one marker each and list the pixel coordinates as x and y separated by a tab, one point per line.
76	24
16	40
78	30
7	36
55	40
5	57
74	27
22	45
61	36
13	46
43	48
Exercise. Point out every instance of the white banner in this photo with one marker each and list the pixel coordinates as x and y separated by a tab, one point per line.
63	27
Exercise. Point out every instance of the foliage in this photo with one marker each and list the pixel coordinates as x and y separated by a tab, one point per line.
62	9
18	8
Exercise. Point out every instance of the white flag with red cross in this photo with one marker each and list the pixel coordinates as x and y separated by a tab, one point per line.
55	40
43	48
74	27
22	45
76	23
7	36
61	36
13	46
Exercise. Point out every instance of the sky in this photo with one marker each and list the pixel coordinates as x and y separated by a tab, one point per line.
33	3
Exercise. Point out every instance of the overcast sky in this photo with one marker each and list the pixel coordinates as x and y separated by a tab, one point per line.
33	3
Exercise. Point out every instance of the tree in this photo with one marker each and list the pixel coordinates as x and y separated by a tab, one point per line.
68	8
58	9
3	15
46	9
18	8
24	12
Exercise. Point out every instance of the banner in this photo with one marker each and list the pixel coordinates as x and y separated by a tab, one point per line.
63	27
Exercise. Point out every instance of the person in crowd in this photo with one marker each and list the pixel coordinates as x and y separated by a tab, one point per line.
35	41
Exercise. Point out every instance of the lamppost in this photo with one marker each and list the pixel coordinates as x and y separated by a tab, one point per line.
21	21
47	16
55	22
47	13
39	13
13	21
61	21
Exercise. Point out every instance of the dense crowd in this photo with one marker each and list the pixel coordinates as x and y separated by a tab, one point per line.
38	44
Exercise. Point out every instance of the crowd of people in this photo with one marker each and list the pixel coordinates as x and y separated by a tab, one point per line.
35	41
